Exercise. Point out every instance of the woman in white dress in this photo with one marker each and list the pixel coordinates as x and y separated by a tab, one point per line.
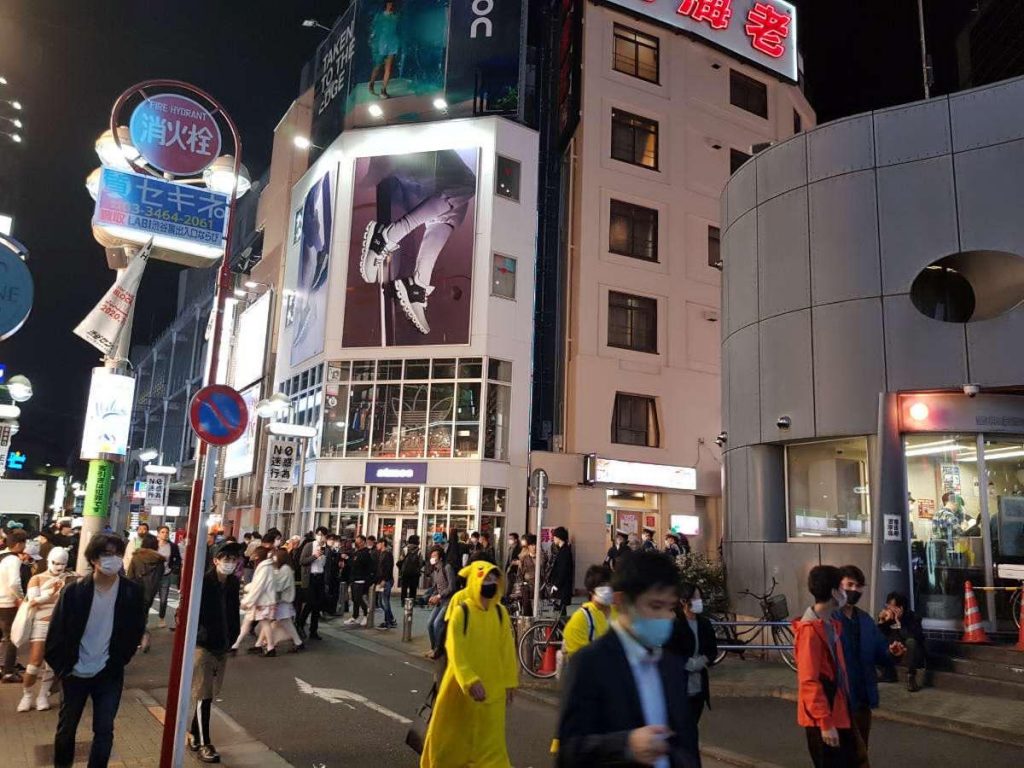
42	594
284	613
259	602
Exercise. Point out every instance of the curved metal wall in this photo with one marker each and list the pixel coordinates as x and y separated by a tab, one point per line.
822	237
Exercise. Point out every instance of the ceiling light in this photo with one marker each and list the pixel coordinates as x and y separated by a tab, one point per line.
240	293
252	284
919	412
302	142
16	105
440	103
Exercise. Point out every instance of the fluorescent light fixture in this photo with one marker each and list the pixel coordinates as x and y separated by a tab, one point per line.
240	293
302	142
375	110
9	411
282	429
935	449
252	284
915	446
440	103
160	469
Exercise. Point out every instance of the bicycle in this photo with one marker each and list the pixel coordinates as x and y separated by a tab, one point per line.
774	616
537	640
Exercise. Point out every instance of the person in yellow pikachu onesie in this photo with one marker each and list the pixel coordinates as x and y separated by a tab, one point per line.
467	727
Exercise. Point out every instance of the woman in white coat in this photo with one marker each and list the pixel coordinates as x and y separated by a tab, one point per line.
284	613
259	602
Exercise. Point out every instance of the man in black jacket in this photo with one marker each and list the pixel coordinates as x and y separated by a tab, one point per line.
560	579
95	629
218	628
313	561
386	579
332	575
362	576
624	702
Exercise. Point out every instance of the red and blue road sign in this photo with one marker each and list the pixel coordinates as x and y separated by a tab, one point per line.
218	414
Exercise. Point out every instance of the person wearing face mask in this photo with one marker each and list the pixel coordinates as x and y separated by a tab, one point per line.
146	569
442	587
560	580
43	591
823	697
467	726
313	562
218	626
693	640
590	622
624	702
618	548
95	629
865	648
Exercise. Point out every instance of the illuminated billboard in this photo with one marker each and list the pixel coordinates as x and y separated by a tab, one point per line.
108	416
410	261
251	343
761	31
413	61
240	455
310	301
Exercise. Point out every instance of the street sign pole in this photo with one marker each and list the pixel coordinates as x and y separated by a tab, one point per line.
540	488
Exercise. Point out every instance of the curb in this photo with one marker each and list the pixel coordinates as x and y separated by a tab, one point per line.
735	758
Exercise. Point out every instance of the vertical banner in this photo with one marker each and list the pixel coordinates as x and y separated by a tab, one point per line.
103	325
314	269
97	488
331	78
281	456
5	446
156	487
483	38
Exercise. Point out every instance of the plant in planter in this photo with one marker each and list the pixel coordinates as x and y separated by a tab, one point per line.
707	575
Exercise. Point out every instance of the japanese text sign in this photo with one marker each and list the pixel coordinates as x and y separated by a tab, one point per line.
175	134
177	216
156	486
281	455
762	31
5	445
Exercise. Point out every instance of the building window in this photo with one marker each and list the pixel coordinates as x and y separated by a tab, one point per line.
827	489
714	247
737	157
506	180
798	123
635	420
499	410
503	277
748	93
636	54
634	139
632	322
633	231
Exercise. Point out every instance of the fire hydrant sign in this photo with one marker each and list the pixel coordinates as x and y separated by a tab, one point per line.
16	292
175	134
761	31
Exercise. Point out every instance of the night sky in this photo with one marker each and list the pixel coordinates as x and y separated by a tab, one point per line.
67	60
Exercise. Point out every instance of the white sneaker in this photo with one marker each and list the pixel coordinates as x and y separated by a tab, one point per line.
362	622
42	702
413	298
375	248
26	701
349	622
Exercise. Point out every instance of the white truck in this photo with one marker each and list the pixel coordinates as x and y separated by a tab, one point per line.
22	502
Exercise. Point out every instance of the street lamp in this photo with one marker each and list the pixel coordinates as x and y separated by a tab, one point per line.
20	389
15	137
314	24
277	404
220	176
148	454
119	153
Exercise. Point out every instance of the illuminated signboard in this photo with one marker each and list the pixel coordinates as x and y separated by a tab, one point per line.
614	472
108	416
251	343
762	31
239	456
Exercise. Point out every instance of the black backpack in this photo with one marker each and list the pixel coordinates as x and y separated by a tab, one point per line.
412	564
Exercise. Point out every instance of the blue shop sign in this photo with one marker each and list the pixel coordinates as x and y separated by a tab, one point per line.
396	472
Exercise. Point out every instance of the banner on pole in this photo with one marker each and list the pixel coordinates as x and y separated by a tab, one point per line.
103	325
281	455
156	485
5	445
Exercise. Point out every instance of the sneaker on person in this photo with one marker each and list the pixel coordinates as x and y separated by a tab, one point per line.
383	625
362	622
25	704
375	248
350	622
413	298
42	702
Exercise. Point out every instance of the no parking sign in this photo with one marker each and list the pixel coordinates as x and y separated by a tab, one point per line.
218	414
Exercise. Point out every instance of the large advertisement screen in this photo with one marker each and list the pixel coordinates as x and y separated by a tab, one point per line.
417	60
314	268
410	263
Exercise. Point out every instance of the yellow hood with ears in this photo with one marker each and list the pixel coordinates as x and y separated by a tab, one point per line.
474	574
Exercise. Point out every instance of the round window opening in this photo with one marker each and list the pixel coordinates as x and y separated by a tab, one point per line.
969	286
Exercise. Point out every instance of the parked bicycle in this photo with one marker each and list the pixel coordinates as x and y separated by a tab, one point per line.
539	643
736	636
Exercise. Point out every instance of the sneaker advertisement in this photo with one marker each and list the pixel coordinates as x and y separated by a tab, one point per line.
314	266
411	249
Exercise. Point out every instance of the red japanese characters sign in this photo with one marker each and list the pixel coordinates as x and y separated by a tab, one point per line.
763	31
175	134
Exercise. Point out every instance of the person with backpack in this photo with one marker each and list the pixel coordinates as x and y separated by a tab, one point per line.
410	568
467	726
442	587
591	621
146	568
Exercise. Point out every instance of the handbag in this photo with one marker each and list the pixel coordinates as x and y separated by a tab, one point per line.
21	628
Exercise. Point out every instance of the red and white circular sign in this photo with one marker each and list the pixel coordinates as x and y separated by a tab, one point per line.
175	134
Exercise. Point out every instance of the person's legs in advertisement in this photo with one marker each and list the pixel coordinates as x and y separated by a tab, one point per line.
72	704
106	699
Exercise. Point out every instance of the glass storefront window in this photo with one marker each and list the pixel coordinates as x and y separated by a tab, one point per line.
827	489
444	368
410	499
389	370
352	497
470	368
499	405
493	500
360	410
335	412
442	410
348	525
414	421
437	498
417	370
385	420
364	370
386	499
327	496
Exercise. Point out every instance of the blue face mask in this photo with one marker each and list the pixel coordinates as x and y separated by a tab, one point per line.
653	633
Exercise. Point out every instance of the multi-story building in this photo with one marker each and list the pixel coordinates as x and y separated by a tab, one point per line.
670	107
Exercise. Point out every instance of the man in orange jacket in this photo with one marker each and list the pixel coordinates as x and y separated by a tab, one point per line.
823	695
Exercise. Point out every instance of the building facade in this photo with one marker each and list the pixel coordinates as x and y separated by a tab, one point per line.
665	118
871	393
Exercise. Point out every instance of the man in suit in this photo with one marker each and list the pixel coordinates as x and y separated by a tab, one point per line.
624	703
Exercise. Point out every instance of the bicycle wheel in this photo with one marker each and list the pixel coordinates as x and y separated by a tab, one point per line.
724	635
537	647
1015	607
784	636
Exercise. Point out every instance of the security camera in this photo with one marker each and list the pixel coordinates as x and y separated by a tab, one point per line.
722	439
783	422
971	390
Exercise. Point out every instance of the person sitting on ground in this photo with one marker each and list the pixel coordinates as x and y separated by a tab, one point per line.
591	621
901	625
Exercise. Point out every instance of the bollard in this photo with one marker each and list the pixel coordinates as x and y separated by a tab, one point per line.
407	620
371	606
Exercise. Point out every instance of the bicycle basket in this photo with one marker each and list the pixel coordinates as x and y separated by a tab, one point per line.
778	608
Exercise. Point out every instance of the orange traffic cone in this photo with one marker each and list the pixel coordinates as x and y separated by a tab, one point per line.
973	630
1020	632
549	663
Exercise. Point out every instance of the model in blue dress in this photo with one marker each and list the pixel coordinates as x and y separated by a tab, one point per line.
384	44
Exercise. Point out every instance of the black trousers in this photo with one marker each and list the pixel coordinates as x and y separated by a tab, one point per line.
105	691
358	598
409	585
201	722
696	707
824	756
314	599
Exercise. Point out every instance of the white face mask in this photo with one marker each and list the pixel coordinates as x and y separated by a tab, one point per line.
110	564
603	595
226	568
840	597
434	561
697	605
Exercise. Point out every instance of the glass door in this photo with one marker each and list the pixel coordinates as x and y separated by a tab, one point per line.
1004	465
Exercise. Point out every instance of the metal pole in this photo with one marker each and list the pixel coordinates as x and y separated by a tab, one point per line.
407	620
540	485
300	488
986	531
924	49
